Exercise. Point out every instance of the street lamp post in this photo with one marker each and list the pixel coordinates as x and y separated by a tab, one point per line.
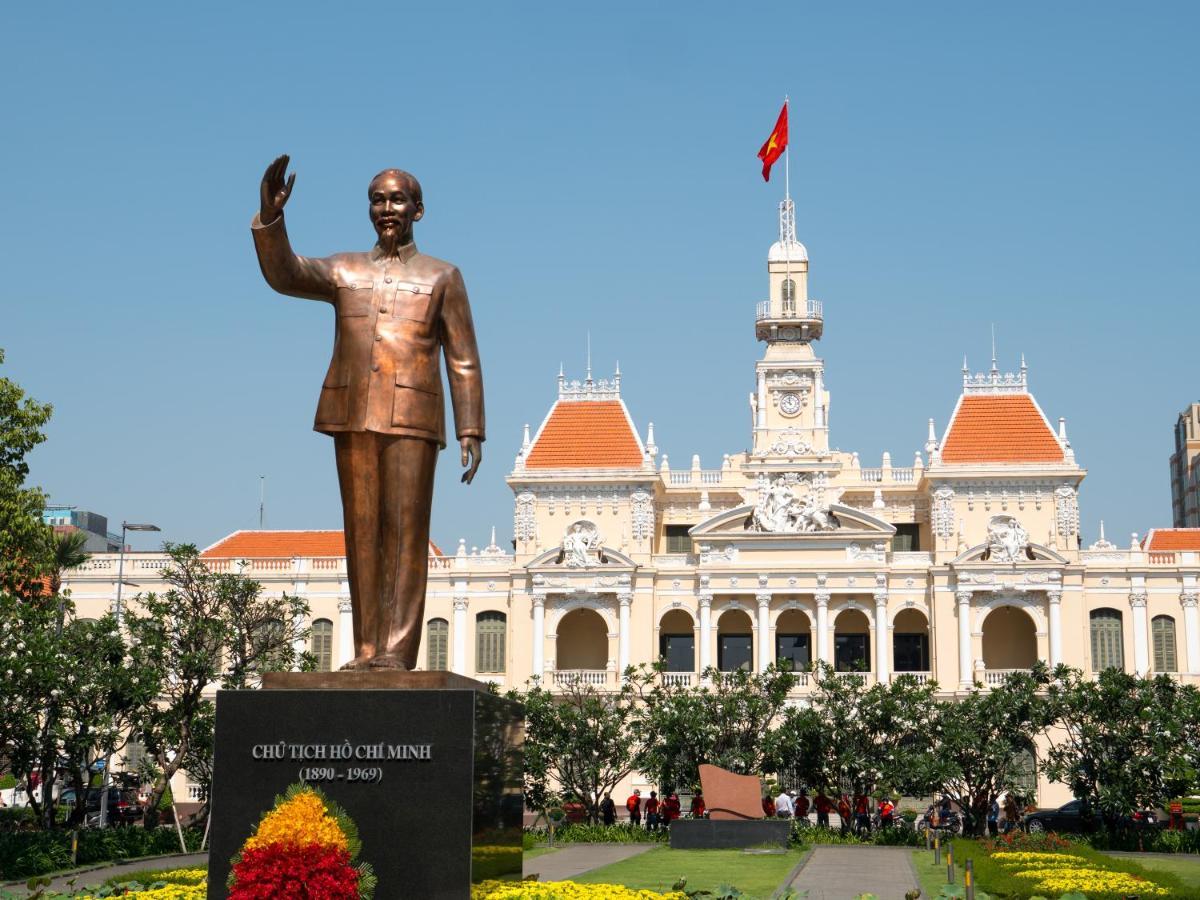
117	610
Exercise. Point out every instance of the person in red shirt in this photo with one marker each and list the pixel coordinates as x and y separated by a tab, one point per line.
843	808
886	810
671	809
862	813
634	805
697	809
768	806
802	804
824	805
652	806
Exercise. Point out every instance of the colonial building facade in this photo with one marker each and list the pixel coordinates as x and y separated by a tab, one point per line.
958	564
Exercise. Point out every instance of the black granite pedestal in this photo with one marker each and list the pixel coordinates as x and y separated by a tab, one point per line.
717	834
427	764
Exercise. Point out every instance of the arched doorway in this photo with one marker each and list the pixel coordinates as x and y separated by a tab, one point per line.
582	641
677	641
910	642
1009	639
852	641
735	641
793	640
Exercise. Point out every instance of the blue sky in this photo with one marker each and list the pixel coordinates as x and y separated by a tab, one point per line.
591	167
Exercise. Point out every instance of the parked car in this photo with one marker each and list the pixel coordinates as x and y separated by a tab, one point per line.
1070	818
123	806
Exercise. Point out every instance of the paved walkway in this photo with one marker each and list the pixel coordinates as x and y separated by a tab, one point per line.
575	859
842	873
95	876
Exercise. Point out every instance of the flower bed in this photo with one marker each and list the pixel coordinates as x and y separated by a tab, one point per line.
1058	868
563	890
172	884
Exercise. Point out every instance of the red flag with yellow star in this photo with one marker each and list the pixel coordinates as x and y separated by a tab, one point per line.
776	143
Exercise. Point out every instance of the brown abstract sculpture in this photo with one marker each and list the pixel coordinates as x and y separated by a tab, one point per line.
398	312
730	796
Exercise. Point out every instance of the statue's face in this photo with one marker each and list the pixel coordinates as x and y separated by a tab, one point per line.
393	208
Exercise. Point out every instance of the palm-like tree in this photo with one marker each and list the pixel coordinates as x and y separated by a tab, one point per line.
68	554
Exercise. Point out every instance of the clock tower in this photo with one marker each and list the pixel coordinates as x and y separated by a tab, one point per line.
790	405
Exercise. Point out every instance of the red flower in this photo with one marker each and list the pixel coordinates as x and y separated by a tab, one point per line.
296	873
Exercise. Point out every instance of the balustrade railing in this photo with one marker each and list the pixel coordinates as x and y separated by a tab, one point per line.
695	476
790	310
678	679
1161	558
921	677
995	677
596	677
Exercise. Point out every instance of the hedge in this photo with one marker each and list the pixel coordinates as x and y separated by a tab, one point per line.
24	854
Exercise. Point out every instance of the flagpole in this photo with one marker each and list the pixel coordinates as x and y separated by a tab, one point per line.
788	289
787	155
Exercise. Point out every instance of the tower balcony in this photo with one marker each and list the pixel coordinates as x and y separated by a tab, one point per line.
779	320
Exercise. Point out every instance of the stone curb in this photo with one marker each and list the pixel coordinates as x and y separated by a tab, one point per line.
97	867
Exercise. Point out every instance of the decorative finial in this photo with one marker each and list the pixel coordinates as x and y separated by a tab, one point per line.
1062	431
589	357
994	347
651	447
525	438
966	371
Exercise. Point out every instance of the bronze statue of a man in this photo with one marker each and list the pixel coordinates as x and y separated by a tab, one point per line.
397	312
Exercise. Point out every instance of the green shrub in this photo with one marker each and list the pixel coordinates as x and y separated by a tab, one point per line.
7	781
582	833
1152	841
24	854
880	837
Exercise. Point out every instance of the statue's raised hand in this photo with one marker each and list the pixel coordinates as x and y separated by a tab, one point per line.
275	191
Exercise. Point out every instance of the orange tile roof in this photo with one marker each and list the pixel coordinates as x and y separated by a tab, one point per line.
284	544
1172	539
1000	428
586	434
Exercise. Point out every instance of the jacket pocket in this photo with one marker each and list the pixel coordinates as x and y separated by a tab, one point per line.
413	301
354	297
413	407
334	406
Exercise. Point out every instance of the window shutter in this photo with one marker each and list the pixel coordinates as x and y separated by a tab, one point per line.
321	642
1163	629
1107	649
437	648
490	631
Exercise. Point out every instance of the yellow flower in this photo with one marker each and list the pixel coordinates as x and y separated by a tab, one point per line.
563	890
299	822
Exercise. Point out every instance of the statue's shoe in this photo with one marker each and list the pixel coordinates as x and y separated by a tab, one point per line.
357	664
388	661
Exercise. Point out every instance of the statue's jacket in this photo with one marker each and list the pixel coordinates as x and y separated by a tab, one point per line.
396	315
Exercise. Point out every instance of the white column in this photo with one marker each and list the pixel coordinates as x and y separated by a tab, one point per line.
881	637
1191	629
966	675
625	599
345	632
1054	598
822	601
539	635
705	603
458	661
764	631
1141	642
762	399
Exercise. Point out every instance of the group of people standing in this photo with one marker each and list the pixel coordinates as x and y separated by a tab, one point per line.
854	814
658	813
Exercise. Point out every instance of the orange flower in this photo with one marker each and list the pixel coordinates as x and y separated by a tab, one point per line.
299	822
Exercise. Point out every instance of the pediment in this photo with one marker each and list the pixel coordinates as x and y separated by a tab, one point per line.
854	524
607	559
1031	555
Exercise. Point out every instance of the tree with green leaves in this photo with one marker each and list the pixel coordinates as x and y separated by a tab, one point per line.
985	739
724	721
1121	742
207	629
581	739
855	737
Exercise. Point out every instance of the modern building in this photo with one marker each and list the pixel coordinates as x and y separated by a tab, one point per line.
960	563
65	519
1185	470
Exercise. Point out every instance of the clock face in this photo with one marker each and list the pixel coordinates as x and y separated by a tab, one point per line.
789	404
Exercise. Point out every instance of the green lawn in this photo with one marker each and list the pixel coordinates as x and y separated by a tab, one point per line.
1184	866
756	875
931	877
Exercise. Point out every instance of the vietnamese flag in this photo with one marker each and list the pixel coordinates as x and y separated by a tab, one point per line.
776	143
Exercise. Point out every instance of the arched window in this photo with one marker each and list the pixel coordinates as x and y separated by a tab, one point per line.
321	643
787	296
490	630
1163	630
1108	651
438	636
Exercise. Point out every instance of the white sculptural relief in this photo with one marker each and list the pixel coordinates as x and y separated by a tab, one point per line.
581	545
1008	541
781	510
